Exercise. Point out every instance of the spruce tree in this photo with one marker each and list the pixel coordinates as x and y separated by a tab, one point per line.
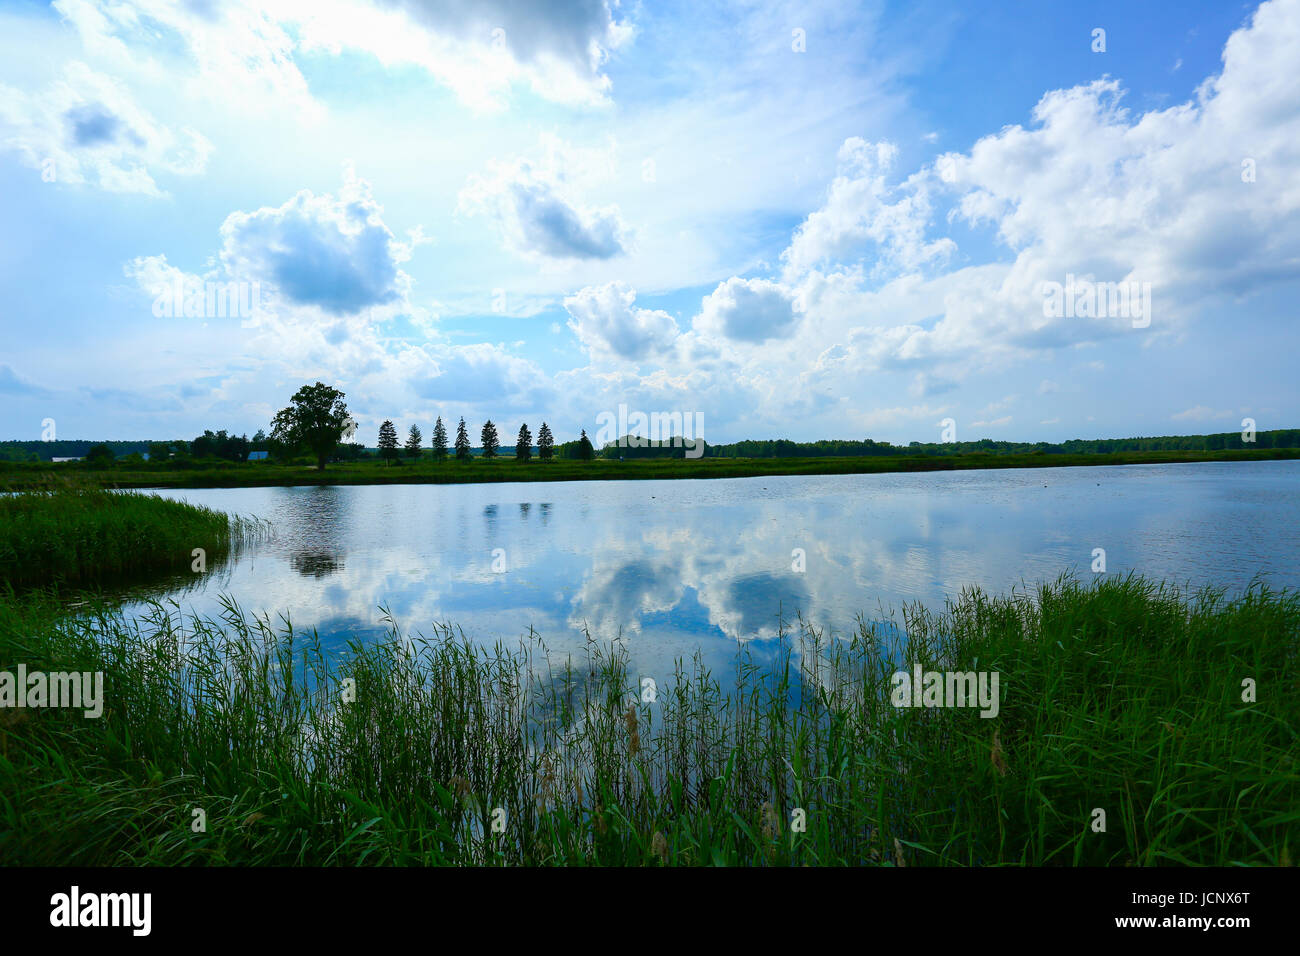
585	451
524	444
387	440
489	439
439	440
545	443
413	440
462	442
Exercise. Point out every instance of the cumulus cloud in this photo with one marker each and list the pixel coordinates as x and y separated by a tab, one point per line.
858	216
471	374
539	218
749	310
331	270
1162	193
607	322
557	48
1086	185
333	252
1088	189
316	273
245	50
88	129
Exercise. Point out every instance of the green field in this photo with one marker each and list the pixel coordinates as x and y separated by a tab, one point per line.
20	476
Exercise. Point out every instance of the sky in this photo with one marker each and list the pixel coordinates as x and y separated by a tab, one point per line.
803	220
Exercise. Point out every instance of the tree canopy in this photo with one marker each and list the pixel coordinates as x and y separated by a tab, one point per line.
315	419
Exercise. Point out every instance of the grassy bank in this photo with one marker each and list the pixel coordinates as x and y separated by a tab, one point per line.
74	534
426	471
1124	696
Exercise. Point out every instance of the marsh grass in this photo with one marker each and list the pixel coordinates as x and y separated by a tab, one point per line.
70	533
1123	695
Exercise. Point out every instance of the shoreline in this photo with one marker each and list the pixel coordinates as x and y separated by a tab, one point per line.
256	475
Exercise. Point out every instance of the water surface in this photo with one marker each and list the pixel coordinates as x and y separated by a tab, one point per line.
675	566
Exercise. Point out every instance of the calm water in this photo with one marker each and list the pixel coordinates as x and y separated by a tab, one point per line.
673	566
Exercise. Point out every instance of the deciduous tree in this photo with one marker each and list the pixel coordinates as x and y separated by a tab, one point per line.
315	419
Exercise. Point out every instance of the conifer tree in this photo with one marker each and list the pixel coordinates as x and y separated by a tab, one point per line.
489	439
413	439
387	440
545	443
439	441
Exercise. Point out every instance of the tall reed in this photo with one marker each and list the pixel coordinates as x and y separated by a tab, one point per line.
1124	696
70	534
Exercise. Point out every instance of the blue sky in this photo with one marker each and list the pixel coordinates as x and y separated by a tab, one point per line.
796	220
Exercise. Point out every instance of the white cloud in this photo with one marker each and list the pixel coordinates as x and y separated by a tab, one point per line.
90	130
608	323
1090	190
539	217
331	252
249	51
1162	192
1202	413
235	52
858	213
749	310
558	49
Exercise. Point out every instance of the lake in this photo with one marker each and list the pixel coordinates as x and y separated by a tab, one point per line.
678	566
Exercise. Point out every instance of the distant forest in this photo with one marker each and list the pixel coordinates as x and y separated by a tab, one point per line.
236	448
782	448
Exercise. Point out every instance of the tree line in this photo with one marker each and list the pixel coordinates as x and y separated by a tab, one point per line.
316	425
783	448
317	419
489	442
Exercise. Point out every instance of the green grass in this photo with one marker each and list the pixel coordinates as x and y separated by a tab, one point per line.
73	534
18	476
1123	695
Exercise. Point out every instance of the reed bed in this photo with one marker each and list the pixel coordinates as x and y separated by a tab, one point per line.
1124	696
65	533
